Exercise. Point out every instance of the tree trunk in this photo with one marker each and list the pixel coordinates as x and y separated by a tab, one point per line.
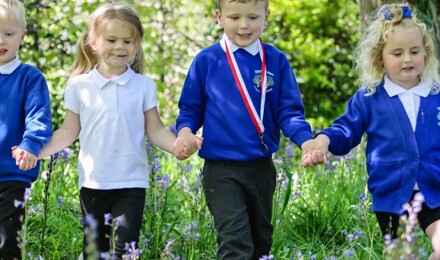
429	9
435	14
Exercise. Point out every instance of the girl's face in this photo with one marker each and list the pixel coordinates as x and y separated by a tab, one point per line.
115	47
404	56
243	23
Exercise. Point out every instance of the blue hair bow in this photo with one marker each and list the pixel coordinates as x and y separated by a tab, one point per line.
385	10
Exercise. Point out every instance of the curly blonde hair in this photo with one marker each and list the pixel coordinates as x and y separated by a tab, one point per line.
379	24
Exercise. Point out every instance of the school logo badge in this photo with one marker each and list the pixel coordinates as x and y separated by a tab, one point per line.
438	115
257	81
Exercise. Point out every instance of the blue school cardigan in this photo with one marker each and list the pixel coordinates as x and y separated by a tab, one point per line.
396	156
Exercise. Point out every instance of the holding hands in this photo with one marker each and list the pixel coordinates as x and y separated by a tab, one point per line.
23	159
186	144
315	151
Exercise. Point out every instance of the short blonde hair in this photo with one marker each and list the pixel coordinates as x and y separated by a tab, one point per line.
14	11
369	50
221	2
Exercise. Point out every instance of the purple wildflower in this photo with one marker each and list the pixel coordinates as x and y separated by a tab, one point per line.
289	151
155	164
348	252
61	155
132	251
60	200
108	219
91	222
163	181
22	204
168	247
187	168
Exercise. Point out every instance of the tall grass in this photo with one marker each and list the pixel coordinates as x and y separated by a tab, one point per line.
319	213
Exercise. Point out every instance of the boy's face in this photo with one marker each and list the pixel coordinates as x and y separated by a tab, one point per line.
243	23
11	36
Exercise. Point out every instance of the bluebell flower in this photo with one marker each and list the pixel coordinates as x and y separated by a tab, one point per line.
163	181
187	168
169	247
91	222
108	219
60	200
155	165
349	252
289	151
132	251
61	156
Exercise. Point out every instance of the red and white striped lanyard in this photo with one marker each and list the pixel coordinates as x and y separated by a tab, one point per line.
256	119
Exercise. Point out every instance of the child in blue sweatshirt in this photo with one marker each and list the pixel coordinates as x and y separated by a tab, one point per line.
25	123
244	93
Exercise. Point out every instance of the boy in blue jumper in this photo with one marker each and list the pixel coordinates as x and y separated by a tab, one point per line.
399	110
25	123
243	92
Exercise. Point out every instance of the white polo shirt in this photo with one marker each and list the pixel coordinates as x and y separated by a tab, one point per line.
112	137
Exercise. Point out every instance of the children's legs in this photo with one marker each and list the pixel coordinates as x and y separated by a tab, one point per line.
429	220
94	205
240	203
260	209
11	218
226	201
126	207
388	223
128	212
433	232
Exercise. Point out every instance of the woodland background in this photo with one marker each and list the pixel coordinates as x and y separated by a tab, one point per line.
319	213
318	37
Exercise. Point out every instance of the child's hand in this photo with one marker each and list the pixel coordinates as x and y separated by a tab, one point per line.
186	145
315	151
23	159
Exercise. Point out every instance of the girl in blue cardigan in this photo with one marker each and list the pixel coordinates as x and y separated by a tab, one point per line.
399	110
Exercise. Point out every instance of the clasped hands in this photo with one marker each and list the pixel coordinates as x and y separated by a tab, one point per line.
23	159
315	151
186	144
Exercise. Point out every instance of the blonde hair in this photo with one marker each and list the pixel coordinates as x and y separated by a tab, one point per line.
14	11
369	50
86	58
221	2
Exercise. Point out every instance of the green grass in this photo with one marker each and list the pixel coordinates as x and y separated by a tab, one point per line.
319	213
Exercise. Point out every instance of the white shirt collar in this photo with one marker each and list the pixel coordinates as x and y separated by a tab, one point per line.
252	48
422	89
121	80
9	67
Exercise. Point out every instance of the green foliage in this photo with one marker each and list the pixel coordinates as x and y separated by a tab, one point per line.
318	37
318	214
318	42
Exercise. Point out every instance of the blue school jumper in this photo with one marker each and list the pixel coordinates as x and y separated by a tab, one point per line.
25	119
210	98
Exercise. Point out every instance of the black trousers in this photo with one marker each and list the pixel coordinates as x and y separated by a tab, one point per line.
126	207
239	196
12	214
389	223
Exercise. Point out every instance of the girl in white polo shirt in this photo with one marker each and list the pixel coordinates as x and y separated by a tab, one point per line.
110	105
